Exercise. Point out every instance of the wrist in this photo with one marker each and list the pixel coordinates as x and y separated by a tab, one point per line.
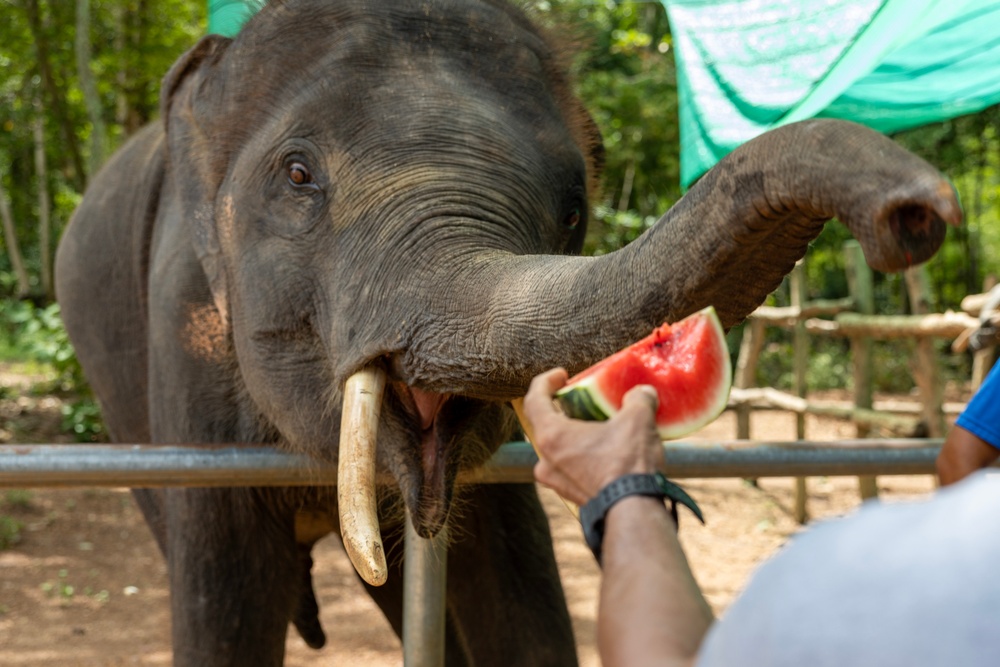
655	486
614	474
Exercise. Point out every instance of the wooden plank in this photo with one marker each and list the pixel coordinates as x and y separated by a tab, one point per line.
746	371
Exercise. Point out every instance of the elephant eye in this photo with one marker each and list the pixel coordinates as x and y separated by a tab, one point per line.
298	175
572	219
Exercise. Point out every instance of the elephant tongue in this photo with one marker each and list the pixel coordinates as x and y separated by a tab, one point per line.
432	505
428	406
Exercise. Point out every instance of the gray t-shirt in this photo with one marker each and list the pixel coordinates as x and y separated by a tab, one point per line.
907	585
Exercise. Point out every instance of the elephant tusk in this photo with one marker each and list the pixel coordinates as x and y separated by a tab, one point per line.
359	527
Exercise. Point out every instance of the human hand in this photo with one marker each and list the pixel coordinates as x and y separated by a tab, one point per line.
579	458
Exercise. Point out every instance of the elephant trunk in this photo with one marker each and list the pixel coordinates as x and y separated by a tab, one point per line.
727	243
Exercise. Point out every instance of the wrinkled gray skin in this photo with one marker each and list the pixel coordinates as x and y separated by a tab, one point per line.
349	183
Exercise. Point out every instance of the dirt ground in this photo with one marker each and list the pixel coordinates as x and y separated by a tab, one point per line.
85	585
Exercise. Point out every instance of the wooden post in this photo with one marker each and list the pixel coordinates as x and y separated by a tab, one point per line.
746	371
925	372
861	283
800	343
982	361
44	205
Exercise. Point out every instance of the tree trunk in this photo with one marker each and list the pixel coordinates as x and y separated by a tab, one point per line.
60	112
120	14
13	248
133	110
44	207
98	134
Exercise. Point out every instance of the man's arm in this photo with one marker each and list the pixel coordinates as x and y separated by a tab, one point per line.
652	611
963	454
974	441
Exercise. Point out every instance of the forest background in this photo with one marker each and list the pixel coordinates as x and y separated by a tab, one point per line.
77	78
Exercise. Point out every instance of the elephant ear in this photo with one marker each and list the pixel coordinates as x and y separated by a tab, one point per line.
189	105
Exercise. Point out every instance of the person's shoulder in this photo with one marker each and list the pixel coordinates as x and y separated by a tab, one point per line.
897	580
957	512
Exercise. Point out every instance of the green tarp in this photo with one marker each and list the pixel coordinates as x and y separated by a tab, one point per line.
226	17
746	66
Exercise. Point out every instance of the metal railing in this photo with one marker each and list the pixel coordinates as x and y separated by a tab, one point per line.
250	465
426	560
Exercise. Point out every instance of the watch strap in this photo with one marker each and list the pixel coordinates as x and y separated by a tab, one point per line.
594	512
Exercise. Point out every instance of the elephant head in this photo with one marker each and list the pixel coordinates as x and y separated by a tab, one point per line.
390	194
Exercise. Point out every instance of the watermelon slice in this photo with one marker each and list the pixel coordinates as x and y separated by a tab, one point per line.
687	363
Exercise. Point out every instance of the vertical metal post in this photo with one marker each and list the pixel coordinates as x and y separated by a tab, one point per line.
425	573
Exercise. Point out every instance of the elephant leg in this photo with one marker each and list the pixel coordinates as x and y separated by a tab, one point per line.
235	576
151	502
503	585
306	618
389	597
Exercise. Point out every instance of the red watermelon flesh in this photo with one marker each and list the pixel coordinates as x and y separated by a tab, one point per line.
687	363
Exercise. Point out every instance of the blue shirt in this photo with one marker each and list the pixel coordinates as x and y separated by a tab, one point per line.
982	416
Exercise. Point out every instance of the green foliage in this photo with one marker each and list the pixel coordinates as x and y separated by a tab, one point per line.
66	592
133	44
829	363
967	149
625	74
82	418
38	335
17	498
10	528
42	338
10	532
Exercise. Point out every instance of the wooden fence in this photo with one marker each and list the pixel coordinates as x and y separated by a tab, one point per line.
853	317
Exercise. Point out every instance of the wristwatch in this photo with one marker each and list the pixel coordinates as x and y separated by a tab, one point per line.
593	513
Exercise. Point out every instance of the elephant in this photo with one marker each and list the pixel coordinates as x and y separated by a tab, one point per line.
377	208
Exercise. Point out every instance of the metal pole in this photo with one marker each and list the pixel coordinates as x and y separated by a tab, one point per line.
232	465
425	573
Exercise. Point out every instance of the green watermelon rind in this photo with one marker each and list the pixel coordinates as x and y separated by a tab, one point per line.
583	400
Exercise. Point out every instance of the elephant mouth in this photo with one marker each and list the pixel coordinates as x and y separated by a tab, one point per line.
436	467
428	489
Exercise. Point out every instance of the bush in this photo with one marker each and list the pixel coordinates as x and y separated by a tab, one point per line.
42	337
37	334
10	532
